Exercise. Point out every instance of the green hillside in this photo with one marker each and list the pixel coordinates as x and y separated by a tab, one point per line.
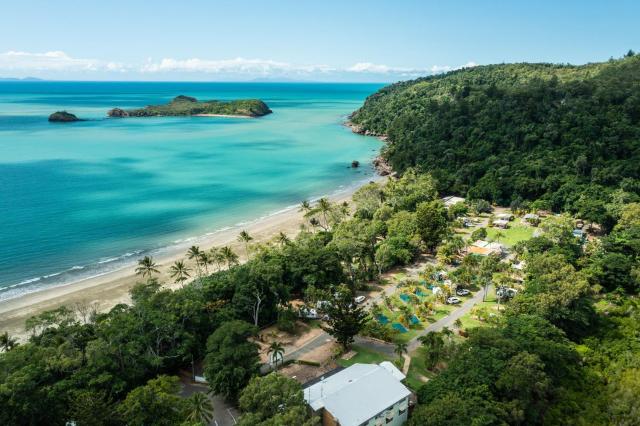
568	135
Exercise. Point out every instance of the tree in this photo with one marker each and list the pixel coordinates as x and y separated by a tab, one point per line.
346	318
147	267
434	348
194	253
283	239
179	271
270	399
231	359
276	350
230	257
90	408
432	223
7	342
156	403
245	238
199	408
401	349
479	234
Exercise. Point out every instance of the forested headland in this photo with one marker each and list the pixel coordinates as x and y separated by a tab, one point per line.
564	136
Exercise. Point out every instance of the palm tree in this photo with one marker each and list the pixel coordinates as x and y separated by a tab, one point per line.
498	236
282	239
147	267
229	256
305	207
179	271
244	237
199	408
401	348
7	342
206	260
314	222
276	350
458	324
217	257
324	207
194	253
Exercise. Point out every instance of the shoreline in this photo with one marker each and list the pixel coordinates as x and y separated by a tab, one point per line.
111	288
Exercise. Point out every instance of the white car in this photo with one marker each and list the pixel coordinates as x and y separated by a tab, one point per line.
359	299
453	300
462	292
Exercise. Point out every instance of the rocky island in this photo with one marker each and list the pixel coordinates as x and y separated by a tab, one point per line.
63	117
189	106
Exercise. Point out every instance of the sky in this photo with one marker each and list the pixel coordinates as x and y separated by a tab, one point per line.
321	40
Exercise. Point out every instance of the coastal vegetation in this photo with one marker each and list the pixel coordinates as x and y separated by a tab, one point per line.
186	105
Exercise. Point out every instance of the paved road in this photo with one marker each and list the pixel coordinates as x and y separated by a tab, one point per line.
224	414
448	320
299	353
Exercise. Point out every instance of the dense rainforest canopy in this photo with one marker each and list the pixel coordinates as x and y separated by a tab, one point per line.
565	135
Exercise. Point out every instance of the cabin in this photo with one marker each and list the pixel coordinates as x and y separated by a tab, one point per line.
501	223
485	248
532	219
362	394
451	200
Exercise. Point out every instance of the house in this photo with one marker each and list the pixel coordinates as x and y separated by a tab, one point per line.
532	219
505	216
501	223
451	200
485	248
363	394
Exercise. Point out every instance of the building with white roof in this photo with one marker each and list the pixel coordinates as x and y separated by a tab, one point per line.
451	200
363	394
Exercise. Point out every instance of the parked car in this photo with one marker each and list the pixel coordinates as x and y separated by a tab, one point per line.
453	300
462	292
359	299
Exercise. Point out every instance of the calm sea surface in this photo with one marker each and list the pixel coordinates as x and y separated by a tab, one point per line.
85	198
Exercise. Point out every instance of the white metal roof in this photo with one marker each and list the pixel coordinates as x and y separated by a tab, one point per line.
358	393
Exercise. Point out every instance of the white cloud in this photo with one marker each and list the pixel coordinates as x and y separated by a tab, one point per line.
231	66
52	61
368	67
16	62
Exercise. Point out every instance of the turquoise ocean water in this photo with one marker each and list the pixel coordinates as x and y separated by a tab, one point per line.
81	199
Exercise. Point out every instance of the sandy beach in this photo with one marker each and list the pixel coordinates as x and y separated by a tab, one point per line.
107	290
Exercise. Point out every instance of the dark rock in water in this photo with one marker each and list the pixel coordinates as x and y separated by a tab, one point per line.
183	98
63	117
355	164
117	113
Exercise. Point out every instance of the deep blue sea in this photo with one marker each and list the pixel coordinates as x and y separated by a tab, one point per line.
80	199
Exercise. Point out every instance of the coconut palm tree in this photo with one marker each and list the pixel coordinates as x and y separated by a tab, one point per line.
498	236
245	238
230	257
401	349
7	342
276	350
324	208
147	267
199	408
194	253
206	260
282	239
305	207
179	271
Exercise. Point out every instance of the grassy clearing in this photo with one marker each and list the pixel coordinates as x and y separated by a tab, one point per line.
512	235
364	356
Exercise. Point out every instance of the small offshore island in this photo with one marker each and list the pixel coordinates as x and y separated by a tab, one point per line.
189	106
63	117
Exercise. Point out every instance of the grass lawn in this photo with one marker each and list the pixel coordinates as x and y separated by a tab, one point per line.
365	356
417	370
512	235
